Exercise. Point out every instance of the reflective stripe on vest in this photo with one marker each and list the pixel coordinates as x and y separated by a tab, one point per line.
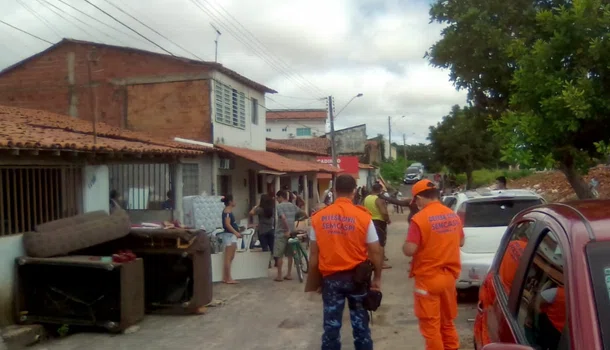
341	230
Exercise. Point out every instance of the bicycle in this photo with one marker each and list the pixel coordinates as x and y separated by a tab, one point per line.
301	260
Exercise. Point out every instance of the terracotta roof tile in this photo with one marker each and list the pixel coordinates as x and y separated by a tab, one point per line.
34	129
279	147
318	144
300	114
273	161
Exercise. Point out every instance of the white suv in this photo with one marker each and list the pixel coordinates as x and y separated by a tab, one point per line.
485	215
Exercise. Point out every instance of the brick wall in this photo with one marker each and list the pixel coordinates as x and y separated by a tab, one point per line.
57	81
178	109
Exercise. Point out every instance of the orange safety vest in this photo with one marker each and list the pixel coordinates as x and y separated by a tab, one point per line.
510	263
341	230
439	250
556	311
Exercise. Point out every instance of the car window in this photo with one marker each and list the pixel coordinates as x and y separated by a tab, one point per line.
495	212
450	202
519	238
599	269
542	310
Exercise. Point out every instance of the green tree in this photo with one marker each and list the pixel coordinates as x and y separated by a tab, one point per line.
462	142
421	152
474	44
560	103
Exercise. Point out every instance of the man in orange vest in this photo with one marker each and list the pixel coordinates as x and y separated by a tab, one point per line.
434	240
343	237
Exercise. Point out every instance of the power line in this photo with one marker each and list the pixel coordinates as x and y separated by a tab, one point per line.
263	46
105	24
28	33
64	18
152	29
39	17
257	51
128	27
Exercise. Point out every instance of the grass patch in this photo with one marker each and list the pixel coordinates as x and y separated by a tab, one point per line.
486	177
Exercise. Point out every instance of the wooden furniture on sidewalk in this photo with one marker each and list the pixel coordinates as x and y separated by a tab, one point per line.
80	291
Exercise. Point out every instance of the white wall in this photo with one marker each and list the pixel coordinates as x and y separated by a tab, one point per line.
275	128
238	190
386	150
253	136
96	188
362	177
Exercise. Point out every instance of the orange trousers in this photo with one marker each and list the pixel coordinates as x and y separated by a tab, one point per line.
436	308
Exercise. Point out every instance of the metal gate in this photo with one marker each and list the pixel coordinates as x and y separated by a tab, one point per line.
32	195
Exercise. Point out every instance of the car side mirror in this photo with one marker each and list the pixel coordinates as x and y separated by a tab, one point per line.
505	346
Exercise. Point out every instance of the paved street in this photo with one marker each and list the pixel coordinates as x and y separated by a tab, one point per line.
262	314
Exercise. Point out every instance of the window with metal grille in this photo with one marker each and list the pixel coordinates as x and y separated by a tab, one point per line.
31	195
190	179
230	106
142	186
303	131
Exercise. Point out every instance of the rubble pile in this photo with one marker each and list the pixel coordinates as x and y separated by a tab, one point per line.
554	186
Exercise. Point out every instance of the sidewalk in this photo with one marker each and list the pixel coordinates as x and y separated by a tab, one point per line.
263	314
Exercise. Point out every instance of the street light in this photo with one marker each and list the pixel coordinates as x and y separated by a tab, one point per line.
333	151
347	104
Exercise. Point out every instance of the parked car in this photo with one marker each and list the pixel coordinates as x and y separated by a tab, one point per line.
548	286
413	174
485	215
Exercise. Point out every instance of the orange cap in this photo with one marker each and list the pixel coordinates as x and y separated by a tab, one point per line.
420	186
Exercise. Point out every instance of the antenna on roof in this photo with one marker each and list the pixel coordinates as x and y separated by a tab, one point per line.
218	34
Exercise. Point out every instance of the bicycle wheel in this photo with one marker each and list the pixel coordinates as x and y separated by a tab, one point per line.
298	265
304	261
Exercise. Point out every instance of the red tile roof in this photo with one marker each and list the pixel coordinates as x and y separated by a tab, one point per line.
214	65
33	129
273	161
282	148
300	114
318	144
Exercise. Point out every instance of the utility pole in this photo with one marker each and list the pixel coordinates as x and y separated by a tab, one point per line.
389	138
404	146
333	151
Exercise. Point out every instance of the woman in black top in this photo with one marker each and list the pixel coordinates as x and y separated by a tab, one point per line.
266	215
229	237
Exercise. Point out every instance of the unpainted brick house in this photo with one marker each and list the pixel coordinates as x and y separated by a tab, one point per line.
139	90
164	96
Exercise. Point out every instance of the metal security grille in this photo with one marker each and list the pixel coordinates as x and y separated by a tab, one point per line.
30	196
190	179
142	186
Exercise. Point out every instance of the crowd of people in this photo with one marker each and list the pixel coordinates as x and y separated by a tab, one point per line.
347	240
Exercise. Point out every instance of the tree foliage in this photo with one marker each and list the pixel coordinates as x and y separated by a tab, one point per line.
560	100
462	142
474	44
421	152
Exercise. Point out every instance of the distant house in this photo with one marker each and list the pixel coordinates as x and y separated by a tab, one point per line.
296	123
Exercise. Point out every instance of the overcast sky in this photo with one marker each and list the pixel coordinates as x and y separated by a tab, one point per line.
304	49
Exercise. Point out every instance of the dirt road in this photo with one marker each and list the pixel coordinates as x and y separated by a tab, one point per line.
262	314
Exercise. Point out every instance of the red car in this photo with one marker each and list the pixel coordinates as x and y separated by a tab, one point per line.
549	284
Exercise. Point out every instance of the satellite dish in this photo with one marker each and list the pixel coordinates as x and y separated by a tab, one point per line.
270	179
